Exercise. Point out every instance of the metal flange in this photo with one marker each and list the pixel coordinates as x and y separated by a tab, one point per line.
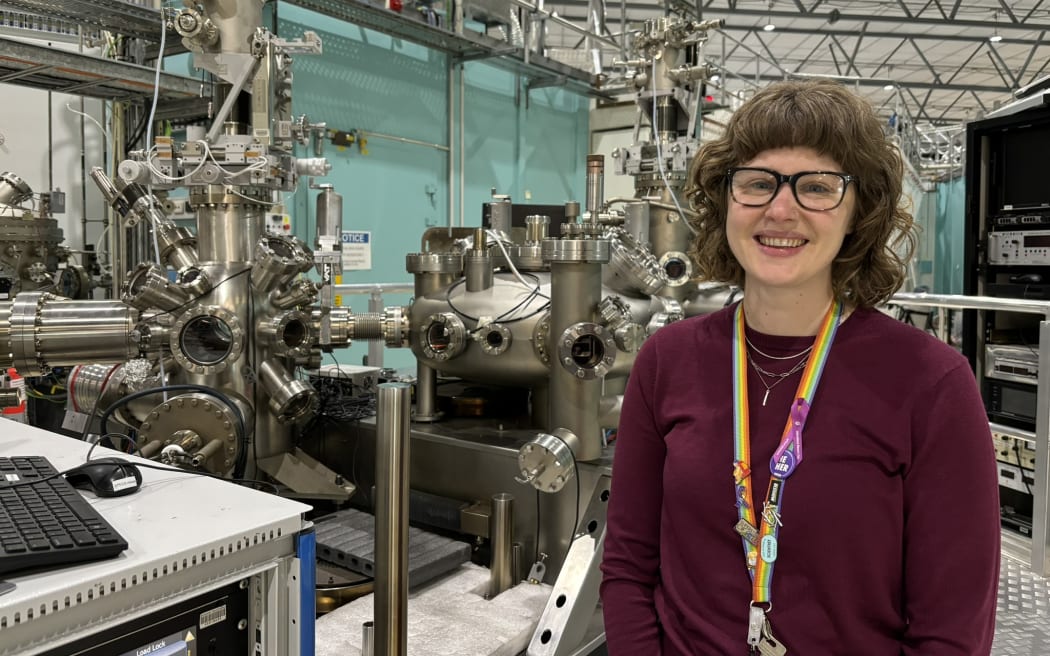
210	322
443	336
586	350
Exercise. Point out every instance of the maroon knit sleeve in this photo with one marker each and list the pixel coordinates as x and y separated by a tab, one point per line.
951	523
631	561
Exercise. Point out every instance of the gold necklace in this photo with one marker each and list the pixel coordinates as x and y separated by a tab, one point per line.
777	357
762	373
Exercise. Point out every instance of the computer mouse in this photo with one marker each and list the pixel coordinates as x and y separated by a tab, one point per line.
106	477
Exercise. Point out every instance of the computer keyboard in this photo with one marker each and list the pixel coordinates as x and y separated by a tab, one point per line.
48	523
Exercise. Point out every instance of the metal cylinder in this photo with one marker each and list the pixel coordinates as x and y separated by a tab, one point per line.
277	260
478	269
228	225
537	228
178	246
49	331
236	21
392	466
13	189
290	398
368	637
426	394
595	184
149	288
575	293
329	219
501	537
636	221
499	215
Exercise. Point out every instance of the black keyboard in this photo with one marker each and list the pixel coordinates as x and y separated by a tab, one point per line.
48	523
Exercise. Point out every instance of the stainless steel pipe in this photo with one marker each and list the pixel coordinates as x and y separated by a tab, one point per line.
393	406
368	638
501	538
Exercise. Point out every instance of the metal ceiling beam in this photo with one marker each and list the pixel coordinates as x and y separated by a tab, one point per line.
955	9
886	61
918	51
1009	12
647	9
805	59
966	63
849	60
1028	59
969	38
1012	81
1033	9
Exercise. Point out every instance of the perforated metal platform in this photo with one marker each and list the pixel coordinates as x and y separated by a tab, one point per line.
1023	619
347	538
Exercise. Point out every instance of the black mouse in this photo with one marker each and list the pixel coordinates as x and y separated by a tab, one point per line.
106	477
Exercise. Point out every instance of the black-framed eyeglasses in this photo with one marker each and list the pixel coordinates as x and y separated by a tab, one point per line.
814	190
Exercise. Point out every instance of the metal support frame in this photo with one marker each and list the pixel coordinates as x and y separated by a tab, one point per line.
1039	557
569	609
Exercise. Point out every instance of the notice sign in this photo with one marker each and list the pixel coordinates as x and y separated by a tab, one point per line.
357	250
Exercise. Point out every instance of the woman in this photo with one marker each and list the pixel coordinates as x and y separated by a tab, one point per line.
881	537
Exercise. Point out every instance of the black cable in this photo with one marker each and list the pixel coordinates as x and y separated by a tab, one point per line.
1017	456
243	456
536	560
501	318
241	430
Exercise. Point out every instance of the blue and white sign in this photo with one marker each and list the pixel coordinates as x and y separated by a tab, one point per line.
357	250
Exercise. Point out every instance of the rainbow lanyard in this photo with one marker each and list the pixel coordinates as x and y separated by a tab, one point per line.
760	540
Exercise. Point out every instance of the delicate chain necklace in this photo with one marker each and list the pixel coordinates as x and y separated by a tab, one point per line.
762	373
777	357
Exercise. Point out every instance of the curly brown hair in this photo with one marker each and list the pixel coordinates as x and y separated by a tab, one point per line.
835	122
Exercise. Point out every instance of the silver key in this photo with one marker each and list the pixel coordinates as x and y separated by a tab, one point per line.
756	626
768	645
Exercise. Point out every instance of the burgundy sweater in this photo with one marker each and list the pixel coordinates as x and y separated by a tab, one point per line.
890	536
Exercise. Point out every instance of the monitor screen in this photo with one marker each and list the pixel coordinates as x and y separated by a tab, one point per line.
1025	180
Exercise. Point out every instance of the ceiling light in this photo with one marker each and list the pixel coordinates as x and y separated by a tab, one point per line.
769	27
888	87
996	37
716	77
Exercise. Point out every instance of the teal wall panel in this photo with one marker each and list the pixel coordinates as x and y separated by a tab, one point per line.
951	235
528	144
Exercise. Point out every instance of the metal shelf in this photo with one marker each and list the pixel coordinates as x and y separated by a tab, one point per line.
112	15
468	46
53	69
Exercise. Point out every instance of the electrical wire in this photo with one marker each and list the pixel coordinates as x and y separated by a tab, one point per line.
197	298
505	316
156	78
90	118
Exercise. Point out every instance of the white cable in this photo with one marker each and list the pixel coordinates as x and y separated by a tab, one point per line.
98	244
156	79
90	118
510	262
164	176
660	158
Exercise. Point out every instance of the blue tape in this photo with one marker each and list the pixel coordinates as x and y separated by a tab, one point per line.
306	550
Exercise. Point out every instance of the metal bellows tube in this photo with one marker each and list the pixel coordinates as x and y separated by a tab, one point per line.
392	461
501	535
